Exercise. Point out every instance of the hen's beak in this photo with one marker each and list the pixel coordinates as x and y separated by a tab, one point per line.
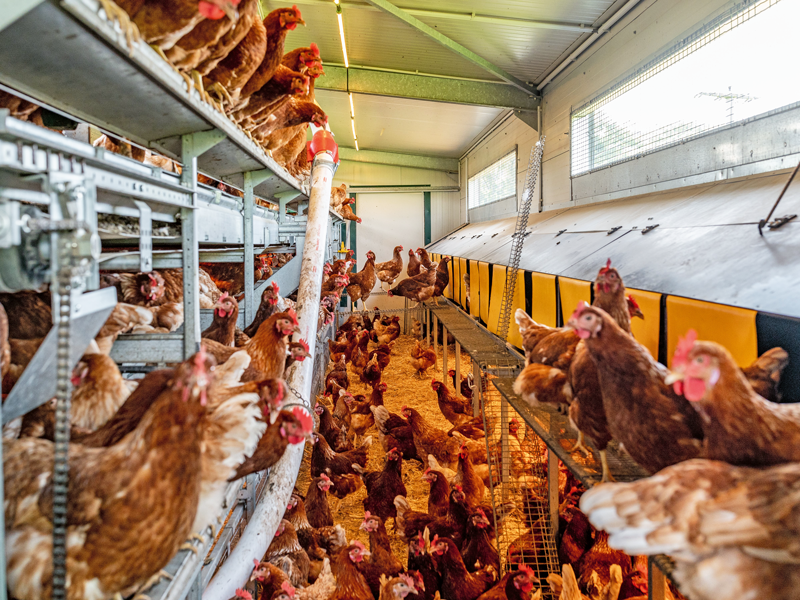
674	377
297	329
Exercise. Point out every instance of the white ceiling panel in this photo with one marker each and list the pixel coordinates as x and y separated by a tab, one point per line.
407	126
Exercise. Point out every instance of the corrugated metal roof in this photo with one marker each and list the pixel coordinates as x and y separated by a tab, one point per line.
377	39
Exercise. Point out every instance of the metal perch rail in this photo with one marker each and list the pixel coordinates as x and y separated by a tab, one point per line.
269	511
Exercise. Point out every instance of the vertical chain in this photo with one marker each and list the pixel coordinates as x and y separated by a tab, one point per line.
63	393
518	240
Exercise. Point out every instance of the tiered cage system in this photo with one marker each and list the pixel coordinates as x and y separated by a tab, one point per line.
55	191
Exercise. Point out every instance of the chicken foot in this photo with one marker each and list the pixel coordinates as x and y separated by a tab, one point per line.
606	471
116	15
220	92
154	580
186	78
580	446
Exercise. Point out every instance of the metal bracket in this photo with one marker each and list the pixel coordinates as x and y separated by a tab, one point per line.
38	382
145	236
649	228
283	199
560	232
194	145
613	229
780	221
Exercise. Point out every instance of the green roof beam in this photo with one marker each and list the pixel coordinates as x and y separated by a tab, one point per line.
426	87
397	159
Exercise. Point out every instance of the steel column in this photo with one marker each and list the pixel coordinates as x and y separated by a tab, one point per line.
656	581
251	179
505	447
457	383
192	146
552	489
477	390
445	350
435	338
145	236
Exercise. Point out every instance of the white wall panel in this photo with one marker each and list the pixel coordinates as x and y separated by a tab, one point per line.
389	220
445	213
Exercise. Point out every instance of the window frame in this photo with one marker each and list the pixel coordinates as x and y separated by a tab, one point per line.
513	151
737	15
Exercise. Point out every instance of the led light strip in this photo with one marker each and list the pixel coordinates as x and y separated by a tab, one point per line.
346	66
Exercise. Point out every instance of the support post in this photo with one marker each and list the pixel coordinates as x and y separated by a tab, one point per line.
505	447
251	179
249	271
656	581
457	384
435	337
192	146
476	391
269	511
445	350
145	236
552	489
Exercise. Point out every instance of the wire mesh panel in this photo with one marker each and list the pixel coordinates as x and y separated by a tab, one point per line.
519	487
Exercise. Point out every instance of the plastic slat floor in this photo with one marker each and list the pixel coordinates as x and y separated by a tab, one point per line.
482	347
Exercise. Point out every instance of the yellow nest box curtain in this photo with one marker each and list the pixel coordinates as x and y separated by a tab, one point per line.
732	327
544	308
647	331
572	292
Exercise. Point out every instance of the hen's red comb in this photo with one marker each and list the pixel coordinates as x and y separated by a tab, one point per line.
297	11
632	301
224	295
605	269
243	594
325	477
304	344
581	306
255	562
366	515
305	420
314	49
288	588
293	316
528	571
685	345
407	580
359	545
275	287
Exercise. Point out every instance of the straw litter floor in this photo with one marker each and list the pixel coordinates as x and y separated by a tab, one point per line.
404	389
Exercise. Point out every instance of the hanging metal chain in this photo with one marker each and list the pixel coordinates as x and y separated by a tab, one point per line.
76	247
518	239
62	430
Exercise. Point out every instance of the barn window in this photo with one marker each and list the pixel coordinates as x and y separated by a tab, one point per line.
496	182
731	70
